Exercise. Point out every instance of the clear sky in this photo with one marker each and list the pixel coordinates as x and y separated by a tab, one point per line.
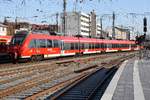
125	10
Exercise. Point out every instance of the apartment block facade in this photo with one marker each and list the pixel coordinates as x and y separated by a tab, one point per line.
79	23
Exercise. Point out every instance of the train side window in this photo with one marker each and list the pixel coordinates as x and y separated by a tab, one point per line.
112	45
72	46
108	45
86	45
122	45
49	44
67	46
90	46
76	46
42	43
116	45
82	45
93	46
32	44
55	43
104	45
96	46
100	46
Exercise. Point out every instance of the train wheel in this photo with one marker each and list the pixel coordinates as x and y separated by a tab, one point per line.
37	58
34	58
14	58
40	57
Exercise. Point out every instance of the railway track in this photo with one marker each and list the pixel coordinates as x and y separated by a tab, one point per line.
10	70
86	88
21	82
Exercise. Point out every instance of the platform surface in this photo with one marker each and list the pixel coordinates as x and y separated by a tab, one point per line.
131	81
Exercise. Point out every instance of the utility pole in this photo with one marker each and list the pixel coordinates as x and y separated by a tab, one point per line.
16	22
57	21
113	26
64	16
75	5
101	23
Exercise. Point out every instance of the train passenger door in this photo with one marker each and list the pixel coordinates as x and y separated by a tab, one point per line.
37	48
49	48
62	48
34	48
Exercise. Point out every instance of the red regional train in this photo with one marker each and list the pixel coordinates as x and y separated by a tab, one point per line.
4	41
39	45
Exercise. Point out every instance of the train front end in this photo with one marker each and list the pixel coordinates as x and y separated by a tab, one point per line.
17	44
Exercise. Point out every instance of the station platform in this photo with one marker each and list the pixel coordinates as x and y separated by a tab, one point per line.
131	81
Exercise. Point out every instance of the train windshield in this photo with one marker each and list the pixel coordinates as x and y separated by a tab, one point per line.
19	37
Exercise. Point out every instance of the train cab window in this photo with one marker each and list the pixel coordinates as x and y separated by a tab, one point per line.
32	44
49	43
55	43
19	37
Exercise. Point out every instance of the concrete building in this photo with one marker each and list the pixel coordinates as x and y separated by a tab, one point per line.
79	23
3	30
121	33
98	30
85	24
